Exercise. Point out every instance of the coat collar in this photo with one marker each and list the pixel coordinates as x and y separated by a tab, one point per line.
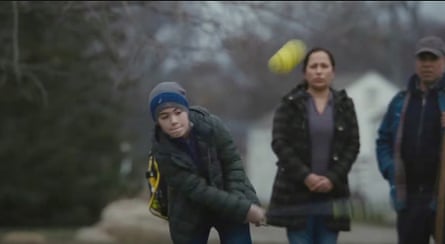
299	93
201	129
413	83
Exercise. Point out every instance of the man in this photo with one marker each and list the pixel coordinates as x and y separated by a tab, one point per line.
409	142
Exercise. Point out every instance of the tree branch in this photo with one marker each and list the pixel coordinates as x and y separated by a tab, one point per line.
15	42
40	86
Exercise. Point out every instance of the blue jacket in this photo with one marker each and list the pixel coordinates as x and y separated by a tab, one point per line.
388	144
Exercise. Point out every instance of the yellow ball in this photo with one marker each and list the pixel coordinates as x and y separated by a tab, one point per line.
287	57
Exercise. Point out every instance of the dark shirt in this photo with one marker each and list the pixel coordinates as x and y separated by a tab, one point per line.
321	128
421	140
190	146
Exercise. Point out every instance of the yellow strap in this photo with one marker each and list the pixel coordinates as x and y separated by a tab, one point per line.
153	181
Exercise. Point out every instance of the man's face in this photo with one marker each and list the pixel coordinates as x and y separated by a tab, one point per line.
429	67
174	122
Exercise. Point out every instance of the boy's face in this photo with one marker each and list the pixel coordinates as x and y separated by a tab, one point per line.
174	122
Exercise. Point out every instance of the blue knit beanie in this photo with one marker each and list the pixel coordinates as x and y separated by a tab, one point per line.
167	94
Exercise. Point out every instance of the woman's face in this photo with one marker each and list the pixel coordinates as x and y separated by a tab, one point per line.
319	71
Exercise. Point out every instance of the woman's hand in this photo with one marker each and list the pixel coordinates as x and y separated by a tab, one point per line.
318	183
324	185
312	181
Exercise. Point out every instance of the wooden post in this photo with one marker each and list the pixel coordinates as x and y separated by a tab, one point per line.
440	211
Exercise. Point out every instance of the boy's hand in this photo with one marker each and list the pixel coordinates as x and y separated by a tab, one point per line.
256	215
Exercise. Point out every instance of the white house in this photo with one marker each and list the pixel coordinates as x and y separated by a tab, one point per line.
371	94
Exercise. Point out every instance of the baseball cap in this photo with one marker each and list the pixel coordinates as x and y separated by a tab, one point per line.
431	44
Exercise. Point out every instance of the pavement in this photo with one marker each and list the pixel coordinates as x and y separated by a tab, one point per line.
131	219
360	234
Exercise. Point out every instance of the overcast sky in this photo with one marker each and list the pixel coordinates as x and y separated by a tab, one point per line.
433	9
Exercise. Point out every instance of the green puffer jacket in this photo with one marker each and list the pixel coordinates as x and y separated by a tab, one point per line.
224	193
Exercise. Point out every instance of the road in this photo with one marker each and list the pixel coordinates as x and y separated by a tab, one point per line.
360	234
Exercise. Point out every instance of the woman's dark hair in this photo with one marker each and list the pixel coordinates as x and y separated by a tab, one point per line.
317	49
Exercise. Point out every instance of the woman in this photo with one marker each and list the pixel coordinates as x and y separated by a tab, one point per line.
207	185
316	140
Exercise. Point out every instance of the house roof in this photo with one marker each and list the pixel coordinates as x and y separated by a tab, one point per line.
342	81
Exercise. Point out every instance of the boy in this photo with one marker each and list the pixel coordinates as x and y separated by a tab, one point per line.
207	185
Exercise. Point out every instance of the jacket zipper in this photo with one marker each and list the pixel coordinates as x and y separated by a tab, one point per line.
420	129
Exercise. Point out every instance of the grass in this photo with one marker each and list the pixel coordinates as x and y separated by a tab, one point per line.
52	235
367	215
